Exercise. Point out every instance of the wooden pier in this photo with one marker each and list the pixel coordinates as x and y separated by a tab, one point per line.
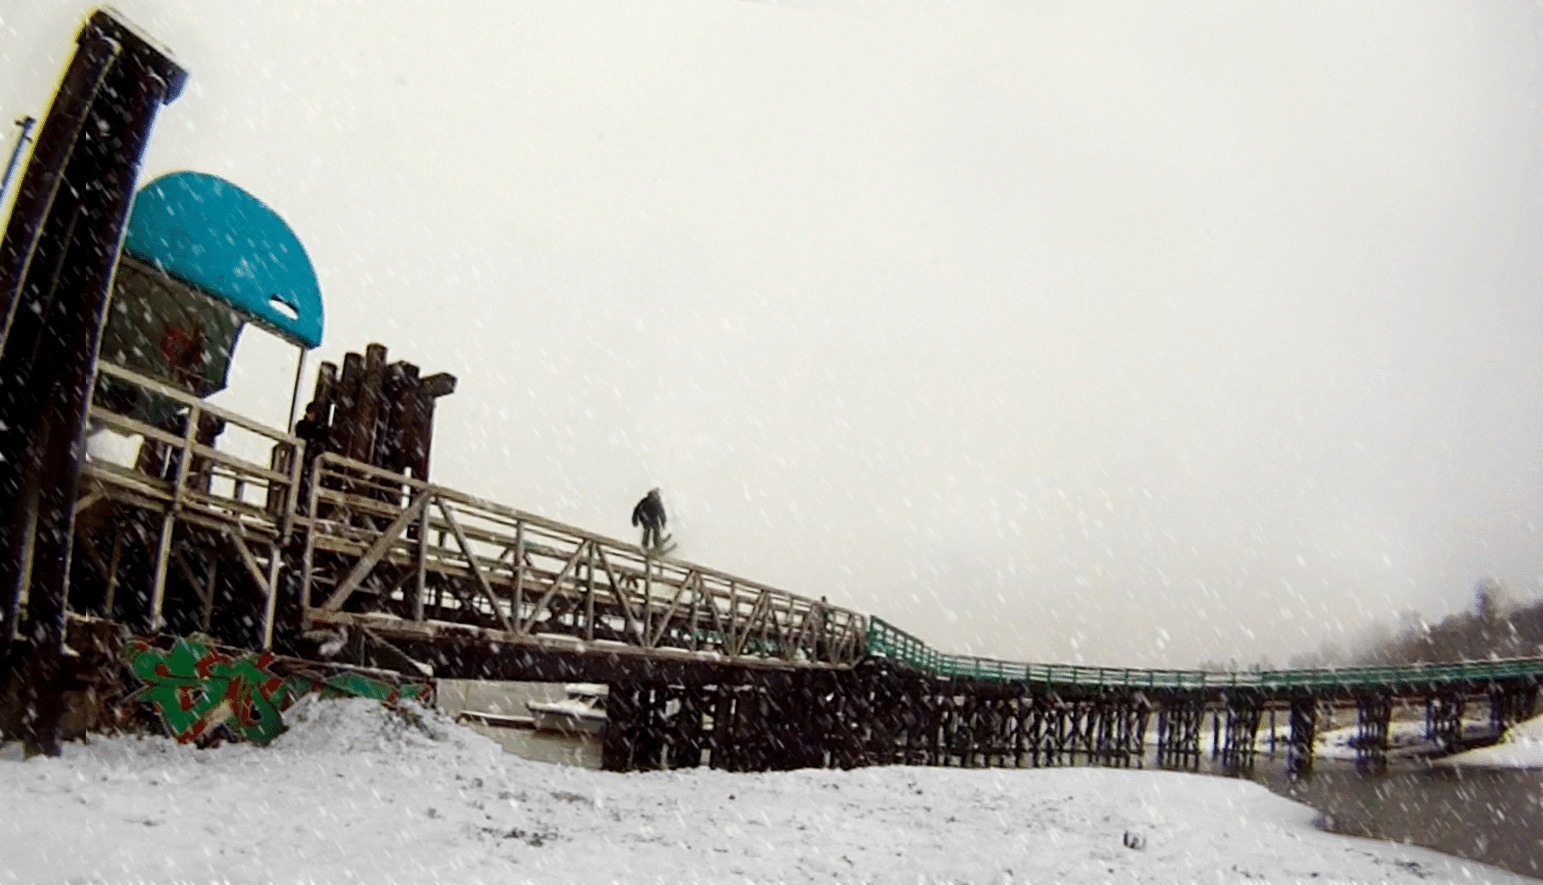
377	569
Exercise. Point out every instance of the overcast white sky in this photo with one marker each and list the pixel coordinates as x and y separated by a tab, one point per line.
1130	333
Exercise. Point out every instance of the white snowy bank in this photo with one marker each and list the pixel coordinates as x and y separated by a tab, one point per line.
357	793
1520	747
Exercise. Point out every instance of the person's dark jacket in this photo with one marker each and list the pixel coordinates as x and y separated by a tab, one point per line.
649	512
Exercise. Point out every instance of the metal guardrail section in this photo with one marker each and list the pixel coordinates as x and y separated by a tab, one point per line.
886	641
409	559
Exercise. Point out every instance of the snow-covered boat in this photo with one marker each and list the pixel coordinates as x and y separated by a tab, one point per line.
581	712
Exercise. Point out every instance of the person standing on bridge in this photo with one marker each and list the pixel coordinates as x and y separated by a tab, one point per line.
649	513
313	430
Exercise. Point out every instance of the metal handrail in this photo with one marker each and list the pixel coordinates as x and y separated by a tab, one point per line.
888	641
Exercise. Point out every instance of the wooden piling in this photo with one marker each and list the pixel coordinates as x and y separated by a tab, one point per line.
1243	712
1373	711
1444	719
1303	724
1180	721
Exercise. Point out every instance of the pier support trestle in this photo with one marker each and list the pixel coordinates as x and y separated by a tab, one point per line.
1510	705
1372	715
1243	712
1444	720
1179	724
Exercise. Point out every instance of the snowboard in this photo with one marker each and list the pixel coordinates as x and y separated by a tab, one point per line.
665	547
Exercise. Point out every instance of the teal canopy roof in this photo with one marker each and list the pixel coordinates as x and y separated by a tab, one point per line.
212	235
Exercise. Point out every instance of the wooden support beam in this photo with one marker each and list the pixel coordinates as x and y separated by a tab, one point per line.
589	595
209	587
1373	711
729	621
399	390
808	633
362	441
421	567
169	520
695	617
438	385
377	551
179	559
95	556
1303	718
420	438
786	630
476	570
325	391
557	581
466	600
664	622
158	577
112	573
400	657
520	564
85	501
340	439
743	639
205	595
253	568
632	624
270	604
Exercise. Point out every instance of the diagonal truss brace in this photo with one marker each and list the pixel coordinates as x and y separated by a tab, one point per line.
376	553
476	570
529	623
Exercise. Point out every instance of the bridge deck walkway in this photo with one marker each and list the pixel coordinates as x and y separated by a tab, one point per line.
405	560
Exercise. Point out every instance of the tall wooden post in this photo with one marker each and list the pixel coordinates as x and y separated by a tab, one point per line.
345	405
1303	718
1243	712
367	408
1373	711
56	265
422	434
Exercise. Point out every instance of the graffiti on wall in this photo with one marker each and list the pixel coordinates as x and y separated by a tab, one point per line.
196	689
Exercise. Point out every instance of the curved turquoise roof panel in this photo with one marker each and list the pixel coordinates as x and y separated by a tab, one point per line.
211	234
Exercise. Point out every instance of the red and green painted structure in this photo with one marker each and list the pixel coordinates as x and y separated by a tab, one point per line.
196	690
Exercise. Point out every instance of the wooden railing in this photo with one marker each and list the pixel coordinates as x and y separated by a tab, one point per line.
181	476
193	476
408	558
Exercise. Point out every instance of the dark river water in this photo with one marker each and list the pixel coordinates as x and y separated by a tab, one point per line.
1494	816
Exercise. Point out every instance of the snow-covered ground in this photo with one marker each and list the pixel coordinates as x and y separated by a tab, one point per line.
357	793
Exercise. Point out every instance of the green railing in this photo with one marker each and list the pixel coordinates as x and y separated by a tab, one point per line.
886	641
